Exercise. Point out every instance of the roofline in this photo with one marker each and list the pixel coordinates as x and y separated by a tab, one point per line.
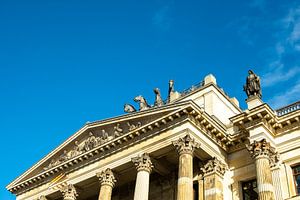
90	125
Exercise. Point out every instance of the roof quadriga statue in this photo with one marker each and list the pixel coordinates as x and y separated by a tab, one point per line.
196	144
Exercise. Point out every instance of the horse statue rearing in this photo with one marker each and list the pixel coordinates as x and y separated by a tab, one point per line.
142	102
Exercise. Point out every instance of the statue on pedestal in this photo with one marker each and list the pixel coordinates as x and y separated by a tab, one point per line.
252	87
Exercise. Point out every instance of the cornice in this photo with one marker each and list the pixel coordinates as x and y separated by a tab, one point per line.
263	115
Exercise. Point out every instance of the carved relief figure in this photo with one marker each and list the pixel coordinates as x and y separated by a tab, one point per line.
158	99
118	130
90	142
252	87
129	108
132	127
105	136
76	150
142	102
64	156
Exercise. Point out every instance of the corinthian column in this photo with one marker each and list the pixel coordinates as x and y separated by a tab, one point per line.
185	147
107	182
69	192
261	151
144	167
213	172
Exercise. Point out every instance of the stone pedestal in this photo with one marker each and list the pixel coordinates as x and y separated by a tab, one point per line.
213	172
261	152
253	102
69	192
144	167
185	147
107	182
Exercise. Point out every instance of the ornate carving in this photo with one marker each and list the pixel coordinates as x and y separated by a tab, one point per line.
143	163
186	145
260	148
252	87
105	137
214	166
129	108
107	177
142	103
91	142
132	127
118	130
275	160
69	192
76	150
158	100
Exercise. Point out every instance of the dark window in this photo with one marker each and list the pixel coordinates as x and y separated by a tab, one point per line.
296	173
195	191
249	189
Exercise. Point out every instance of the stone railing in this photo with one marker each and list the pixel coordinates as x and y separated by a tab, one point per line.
287	109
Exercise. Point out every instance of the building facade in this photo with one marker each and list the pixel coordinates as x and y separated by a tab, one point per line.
197	145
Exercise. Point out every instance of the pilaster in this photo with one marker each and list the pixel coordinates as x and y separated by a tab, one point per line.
213	173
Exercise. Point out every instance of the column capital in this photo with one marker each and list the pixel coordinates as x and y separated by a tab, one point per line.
214	166
143	163
106	177
261	148
186	145
69	192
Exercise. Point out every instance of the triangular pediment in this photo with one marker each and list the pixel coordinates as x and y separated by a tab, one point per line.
94	138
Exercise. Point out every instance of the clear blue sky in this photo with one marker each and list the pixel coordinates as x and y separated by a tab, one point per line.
63	63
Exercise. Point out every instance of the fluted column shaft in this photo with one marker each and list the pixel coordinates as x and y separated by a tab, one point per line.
107	182
264	178
261	151
144	167
185	177
185	147
277	182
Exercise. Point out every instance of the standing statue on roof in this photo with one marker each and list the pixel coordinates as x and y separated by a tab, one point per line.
158	100
252	87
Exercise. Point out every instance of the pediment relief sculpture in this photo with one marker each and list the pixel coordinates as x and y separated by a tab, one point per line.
92	141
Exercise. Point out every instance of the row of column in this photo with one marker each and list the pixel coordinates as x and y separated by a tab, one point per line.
210	181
